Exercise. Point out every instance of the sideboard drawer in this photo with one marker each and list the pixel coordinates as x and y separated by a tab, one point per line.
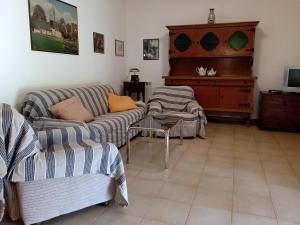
241	83
274	100
180	82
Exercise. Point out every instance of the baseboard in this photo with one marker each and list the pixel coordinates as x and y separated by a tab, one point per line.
231	119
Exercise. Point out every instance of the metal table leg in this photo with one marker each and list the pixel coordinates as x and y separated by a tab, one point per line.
128	145
181	135
167	141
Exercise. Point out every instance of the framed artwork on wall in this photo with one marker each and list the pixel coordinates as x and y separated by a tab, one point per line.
119	48
98	42
53	26
151	49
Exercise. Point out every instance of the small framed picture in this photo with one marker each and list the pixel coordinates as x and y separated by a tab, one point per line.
119	48
151	49
98	42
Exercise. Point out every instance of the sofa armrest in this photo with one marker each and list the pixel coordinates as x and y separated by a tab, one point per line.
154	108
140	104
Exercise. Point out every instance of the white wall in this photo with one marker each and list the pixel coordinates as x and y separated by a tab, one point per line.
277	37
22	69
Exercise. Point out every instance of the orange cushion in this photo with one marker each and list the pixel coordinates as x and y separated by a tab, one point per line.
71	109
120	103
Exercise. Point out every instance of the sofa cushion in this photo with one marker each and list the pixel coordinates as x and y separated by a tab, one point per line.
71	109
118	103
112	127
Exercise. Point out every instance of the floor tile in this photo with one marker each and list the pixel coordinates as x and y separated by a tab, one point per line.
246	155
249	175
189	167
86	216
154	172
217	183
253	205
218	171
285	222
209	216
247	219
146	187
219	161
168	211
179	177
153	222
286	202
178	192
139	205
115	218
277	168
285	180
258	188
214	199
192	158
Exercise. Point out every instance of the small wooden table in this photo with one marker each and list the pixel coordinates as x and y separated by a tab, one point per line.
135	87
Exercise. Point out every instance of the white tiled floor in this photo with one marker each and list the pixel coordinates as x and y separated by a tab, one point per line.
239	175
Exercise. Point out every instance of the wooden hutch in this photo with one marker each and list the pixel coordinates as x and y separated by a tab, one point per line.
228	48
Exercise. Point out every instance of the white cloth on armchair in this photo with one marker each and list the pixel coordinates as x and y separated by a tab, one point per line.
179	101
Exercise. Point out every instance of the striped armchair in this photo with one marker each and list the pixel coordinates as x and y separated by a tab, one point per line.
179	101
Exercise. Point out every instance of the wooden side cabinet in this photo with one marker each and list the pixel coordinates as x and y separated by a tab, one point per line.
279	111
135	87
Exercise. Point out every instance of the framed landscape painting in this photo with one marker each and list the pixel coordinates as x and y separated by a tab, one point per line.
53	26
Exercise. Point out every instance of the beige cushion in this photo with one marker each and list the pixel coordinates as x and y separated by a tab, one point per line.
71	109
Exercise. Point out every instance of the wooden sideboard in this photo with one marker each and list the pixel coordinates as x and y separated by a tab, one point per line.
227	48
279	111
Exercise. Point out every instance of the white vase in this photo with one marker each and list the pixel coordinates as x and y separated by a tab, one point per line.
211	16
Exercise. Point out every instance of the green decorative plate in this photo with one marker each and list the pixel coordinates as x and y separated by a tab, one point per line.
238	40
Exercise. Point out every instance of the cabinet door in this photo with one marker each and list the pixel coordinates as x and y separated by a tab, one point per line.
209	42
182	43
236	98
239	41
207	96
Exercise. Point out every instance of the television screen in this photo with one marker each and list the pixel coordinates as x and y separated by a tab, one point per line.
294	78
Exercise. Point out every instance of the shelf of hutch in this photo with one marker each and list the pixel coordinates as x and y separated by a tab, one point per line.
226	47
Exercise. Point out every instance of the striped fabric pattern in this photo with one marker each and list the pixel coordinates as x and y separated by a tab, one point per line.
173	98
17	141
54	153
107	127
179	101
94	99
112	127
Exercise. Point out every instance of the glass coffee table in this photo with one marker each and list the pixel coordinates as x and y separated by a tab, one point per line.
156	124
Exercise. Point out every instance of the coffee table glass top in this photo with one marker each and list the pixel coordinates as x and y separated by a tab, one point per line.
162	121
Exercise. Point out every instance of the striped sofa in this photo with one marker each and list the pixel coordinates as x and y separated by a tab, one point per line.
107	127
36	201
